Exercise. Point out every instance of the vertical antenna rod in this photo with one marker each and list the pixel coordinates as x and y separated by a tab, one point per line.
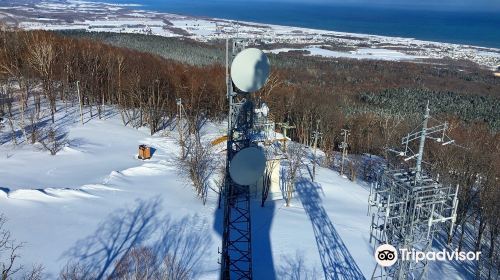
418	176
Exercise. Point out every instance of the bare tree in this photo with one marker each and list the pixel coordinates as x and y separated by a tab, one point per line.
9	252
295	155
174	253
175	256
155	106
140	263
219	181
36	273
42	57
76	271
10	114
353	168
54	141
34	127
199	166
296	269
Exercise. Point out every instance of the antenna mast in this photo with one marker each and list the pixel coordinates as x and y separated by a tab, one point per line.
418	175
236	255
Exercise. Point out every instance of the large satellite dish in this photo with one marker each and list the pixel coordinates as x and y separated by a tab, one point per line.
247	166
250	70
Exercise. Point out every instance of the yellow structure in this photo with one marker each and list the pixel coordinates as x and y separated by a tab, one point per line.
219	140
144	152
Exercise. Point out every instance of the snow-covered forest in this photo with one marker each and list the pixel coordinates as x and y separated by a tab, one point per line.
78	98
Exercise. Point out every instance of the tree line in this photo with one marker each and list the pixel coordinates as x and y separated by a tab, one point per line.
366	97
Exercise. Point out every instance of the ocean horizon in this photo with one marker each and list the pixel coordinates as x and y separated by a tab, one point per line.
478	28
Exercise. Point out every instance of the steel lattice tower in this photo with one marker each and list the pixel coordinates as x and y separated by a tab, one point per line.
236	260
411	207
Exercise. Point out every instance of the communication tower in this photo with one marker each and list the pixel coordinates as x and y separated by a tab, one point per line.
245	162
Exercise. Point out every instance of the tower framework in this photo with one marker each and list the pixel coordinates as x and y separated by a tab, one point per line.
411	207
408	214
236	254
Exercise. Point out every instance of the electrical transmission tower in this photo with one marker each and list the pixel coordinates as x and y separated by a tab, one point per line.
411	207
236	254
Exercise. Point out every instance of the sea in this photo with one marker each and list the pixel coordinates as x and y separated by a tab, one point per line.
478	28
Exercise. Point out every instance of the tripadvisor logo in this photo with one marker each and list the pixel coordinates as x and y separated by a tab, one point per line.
387	255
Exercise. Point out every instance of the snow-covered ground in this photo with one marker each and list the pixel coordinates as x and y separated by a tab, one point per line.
92	16
59	205
82	204
362	53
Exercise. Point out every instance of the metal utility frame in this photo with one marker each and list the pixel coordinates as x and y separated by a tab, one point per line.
411	207
285	127
236	254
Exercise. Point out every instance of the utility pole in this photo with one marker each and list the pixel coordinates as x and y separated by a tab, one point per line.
179	126
285	127
316	135
228	80
344	146
2	102
79	100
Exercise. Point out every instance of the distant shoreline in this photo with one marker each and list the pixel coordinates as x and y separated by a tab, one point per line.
118	18
465	28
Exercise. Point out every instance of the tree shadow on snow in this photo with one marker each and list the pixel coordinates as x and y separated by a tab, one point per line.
336	260
185	240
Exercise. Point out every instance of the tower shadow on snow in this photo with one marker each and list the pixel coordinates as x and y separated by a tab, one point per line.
261	219
336	260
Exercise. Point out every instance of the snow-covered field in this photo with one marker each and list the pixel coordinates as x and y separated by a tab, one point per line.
103	17
81	205
361	53
60	204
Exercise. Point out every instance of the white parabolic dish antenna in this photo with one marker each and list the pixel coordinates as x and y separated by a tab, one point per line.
250	70
247	166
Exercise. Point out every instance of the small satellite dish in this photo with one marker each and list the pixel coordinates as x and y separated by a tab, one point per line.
250	70
247	166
